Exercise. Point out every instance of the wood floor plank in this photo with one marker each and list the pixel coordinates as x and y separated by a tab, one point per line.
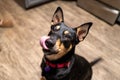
21	54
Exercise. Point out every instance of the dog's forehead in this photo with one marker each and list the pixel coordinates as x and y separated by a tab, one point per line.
65	29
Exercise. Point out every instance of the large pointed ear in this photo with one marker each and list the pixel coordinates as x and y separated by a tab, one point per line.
58	16
83	30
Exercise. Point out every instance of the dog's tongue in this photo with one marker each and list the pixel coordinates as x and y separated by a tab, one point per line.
42	42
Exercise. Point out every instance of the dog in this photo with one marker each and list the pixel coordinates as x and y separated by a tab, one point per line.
60	61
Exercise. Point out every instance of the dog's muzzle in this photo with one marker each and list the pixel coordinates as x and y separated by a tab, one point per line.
46	42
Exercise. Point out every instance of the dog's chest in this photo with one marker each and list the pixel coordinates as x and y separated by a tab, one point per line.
77	71
56	73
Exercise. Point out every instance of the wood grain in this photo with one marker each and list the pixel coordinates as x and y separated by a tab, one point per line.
20	54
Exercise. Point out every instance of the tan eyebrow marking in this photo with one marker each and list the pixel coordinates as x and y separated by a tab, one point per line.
66	32
57	27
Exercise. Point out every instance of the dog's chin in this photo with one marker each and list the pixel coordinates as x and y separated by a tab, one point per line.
50	51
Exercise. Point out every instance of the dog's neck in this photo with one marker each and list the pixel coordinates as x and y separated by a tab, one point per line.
63	70
65	58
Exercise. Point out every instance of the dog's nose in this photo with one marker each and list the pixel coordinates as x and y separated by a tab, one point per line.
49	43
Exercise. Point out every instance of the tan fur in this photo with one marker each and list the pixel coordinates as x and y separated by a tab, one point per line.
43	78
61	51
57	27
66	32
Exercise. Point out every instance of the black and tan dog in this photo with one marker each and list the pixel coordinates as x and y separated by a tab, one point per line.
60	61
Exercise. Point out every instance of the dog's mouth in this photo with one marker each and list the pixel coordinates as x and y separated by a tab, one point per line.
53	49
43	42
48	46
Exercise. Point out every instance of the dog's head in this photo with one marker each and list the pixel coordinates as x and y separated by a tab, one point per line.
61	38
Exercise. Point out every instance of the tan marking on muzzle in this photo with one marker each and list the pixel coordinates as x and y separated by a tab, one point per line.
61	51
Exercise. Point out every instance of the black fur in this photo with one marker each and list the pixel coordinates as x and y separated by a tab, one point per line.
79	68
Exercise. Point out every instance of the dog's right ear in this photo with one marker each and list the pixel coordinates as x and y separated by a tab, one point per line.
58	16
83	30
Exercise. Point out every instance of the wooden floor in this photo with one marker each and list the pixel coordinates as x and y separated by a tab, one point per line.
20	54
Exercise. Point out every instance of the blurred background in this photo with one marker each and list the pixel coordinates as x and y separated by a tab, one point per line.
23	22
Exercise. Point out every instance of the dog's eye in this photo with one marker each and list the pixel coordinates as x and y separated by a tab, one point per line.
67	36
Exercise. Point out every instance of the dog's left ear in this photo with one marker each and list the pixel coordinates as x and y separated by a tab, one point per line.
58	16
83	30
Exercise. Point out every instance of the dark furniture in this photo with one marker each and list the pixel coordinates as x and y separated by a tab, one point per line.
31	3
107	10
